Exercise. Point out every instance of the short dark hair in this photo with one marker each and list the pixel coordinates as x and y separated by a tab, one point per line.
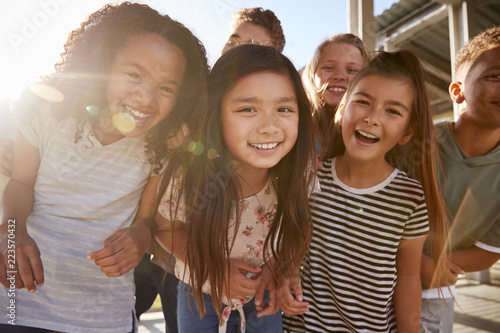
264	18
472	51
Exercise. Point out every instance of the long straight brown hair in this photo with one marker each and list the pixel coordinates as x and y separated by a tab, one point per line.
212	187
418	158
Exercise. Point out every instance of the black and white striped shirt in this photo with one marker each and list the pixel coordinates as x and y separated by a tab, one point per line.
349	276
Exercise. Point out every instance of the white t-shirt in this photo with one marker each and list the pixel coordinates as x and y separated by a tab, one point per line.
83	193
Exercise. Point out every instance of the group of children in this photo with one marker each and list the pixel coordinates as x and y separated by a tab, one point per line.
133	144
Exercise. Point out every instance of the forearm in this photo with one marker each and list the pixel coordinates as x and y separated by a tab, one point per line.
474	259
426	270
173	241
17	203
407	303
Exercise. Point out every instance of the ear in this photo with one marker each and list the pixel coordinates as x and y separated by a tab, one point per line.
407	136
456	92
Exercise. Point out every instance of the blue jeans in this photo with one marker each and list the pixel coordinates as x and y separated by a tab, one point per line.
150	280
188	317
436	315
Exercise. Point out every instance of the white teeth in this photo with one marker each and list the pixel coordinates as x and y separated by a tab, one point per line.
336	89
367	135
264	145
136	113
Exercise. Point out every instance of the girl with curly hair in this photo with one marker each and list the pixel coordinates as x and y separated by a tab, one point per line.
92	139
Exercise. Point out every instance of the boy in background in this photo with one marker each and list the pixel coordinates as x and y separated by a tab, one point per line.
469	150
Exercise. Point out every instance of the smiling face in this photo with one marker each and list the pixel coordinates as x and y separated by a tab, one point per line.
245	33
480	89
337	65
376	117
146	77
259	120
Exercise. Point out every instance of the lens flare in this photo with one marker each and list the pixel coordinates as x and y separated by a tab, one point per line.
93	110
122	123
47	92
212	153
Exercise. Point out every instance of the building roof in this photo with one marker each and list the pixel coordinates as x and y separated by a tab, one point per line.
422	26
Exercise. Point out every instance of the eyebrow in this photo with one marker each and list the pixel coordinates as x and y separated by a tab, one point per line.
395	103
253	99
330	61
143	69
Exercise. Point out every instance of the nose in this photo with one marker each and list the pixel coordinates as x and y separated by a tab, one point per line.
338	75
268	123
373	117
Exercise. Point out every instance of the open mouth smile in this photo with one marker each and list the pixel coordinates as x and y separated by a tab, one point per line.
135	116
366	137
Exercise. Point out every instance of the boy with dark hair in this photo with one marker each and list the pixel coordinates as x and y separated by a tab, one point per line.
255	26
469	150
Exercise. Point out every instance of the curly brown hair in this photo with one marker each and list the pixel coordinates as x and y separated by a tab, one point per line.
264	18
90	50
472	51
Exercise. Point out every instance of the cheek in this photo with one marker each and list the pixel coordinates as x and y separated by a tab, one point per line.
115	89
319	79
291	127
227	128
166	107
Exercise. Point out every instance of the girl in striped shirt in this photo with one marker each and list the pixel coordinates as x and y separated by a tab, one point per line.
374	209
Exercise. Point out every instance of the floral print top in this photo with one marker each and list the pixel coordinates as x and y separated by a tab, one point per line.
257	215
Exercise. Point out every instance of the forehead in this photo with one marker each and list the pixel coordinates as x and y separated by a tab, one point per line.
259	83
487	60
247	30
153	53
341	52
385	88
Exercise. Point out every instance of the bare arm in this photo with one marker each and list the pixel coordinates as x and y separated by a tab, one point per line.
6	156
408	293
172	237
16	206
427	272
124	249
474	259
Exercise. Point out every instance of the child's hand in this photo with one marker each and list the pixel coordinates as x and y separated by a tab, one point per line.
288	303
451	273
123	250
26	262
319	165
271	307
177	140
241	282
6	156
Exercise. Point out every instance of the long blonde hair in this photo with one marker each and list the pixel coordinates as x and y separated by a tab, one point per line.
321	118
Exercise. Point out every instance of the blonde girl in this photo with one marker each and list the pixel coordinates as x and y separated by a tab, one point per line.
326	76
